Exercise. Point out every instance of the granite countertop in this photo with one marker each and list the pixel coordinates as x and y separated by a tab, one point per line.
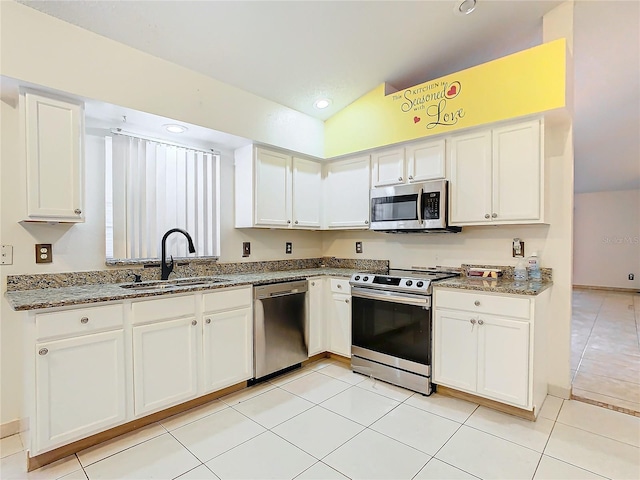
85	294
496	285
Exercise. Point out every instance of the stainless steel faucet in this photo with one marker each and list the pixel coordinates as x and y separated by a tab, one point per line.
167	268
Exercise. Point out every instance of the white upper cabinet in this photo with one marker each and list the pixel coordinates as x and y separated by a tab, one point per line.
497	176
346	194
415	162
54	147
307	193
276	190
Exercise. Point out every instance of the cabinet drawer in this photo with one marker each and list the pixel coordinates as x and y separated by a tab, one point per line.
163	308
482	303
227	299
339	285
78	321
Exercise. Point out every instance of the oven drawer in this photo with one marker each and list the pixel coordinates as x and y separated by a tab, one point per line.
483	303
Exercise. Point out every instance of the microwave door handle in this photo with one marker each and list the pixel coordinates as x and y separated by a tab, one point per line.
419	206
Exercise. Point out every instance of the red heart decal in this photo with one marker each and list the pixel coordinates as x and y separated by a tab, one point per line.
452	91
416	119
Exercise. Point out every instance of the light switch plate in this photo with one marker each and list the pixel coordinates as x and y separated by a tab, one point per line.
358	247
44	254
246	249
288	248
6	255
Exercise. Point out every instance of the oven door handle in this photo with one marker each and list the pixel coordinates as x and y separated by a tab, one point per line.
421	301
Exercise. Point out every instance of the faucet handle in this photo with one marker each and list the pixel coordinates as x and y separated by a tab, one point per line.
170	265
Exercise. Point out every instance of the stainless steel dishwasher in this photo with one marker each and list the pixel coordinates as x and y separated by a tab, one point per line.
279	326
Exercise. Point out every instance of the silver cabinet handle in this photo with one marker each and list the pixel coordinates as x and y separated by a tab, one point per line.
43	351
477	303
208	321
494	215
486	215
473	321
410	177
346	300
296	222
366	222
194	322
480	322
84	320
77	211
399	179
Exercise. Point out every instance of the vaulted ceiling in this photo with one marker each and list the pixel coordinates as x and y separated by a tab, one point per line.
296	52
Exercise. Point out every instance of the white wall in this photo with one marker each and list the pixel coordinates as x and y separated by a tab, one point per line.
607	239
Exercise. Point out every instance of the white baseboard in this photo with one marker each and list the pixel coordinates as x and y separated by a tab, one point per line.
13	427
557	391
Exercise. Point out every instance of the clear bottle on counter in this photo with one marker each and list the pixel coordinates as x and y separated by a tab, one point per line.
533	267
520	272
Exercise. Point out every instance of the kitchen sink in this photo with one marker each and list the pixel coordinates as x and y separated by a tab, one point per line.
170	284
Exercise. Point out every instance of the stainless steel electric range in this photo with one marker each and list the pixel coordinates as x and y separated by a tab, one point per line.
392	326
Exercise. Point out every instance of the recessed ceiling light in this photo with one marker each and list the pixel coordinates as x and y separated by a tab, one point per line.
464	7
173	128
322	103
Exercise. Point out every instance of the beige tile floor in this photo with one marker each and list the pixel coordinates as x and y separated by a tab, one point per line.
325	422
605	348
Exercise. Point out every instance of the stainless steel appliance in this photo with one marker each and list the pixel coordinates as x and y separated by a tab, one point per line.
279	326
392	325
419	207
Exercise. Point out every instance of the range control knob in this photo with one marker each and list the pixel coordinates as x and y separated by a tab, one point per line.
365	279
420	284
409	283
356	278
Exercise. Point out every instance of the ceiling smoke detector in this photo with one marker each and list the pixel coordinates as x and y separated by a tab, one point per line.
464	7
173	128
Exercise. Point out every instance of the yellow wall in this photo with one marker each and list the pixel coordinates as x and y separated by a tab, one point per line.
527	82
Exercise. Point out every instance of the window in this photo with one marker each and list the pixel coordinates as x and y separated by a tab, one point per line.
152	187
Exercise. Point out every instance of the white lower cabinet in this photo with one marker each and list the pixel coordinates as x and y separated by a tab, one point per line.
317	339
491	345
338	317
165	358
80	387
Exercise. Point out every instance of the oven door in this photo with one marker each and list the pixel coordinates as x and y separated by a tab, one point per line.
392	329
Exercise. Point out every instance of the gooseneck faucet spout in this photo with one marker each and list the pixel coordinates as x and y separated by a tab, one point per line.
167	268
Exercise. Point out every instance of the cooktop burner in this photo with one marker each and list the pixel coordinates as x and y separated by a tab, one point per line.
400	280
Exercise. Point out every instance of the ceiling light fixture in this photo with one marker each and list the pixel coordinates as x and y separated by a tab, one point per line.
464	7
174	128
322	103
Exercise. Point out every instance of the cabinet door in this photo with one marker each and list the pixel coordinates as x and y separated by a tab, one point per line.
347	194
470	178
339	324
455	350
425	161
54	134
387	168
164	363
80	387
503	359
517	173
228	348
307	193
273	189
316	342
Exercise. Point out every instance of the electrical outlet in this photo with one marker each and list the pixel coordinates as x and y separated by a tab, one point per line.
44	254
517	248
6	255
288	248
358	247
631	276
246	249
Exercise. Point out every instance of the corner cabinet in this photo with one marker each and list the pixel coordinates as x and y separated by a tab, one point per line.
54	134
276	190
415	162
491	345
338	317
497	176
346	193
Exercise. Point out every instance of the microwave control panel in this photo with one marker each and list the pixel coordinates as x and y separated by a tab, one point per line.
431	205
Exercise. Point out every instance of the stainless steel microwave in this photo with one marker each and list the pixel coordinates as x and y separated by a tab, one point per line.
418	207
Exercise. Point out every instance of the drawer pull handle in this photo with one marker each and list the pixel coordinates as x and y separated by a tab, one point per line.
43	351
208	321
480	322
477	303
194	322
84	320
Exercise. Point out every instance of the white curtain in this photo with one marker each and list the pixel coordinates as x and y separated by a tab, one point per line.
153	187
